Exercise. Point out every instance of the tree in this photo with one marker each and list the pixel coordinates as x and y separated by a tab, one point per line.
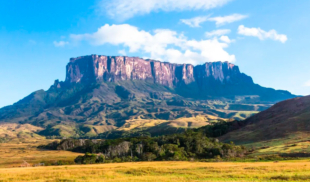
148	156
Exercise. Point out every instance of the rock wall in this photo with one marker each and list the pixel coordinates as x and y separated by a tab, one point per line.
115	68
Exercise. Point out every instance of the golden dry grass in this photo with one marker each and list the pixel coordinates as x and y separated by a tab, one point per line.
13	130
12	154
21	142
191	122
164	171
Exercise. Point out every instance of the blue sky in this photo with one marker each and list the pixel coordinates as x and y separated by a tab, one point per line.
268	40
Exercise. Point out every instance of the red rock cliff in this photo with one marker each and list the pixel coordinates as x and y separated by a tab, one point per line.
116	68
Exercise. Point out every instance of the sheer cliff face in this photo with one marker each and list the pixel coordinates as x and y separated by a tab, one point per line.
112	69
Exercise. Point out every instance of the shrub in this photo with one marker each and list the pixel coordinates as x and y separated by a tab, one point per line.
117	160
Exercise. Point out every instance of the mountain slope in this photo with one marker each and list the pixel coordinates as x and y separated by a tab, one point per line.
17	131
103	93
286	120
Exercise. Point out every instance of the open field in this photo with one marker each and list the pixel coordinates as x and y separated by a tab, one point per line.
164	171
13	154
17	150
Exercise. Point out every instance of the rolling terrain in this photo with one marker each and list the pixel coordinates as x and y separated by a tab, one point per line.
283	128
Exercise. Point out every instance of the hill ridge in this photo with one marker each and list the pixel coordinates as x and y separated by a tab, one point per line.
280	122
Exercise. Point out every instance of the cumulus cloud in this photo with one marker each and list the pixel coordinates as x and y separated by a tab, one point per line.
195	22
222	20
226	39
60	43
218	32
262	34
162	44
125	9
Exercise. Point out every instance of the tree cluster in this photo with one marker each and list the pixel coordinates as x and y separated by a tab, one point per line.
189	145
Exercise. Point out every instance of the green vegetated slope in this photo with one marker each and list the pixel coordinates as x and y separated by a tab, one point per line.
20	132
284	128
88	110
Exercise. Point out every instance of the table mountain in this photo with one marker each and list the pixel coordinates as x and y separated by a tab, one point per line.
105	93
112	69
221	79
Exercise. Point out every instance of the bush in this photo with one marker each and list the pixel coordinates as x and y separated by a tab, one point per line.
100	159
87	159
117	160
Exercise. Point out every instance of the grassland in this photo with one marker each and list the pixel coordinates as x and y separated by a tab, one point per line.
13	154
297	143
21	131
190	122
164	171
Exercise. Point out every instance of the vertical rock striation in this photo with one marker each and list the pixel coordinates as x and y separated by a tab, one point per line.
116	68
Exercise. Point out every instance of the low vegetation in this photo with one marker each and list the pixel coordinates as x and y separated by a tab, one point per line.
166	171
18	152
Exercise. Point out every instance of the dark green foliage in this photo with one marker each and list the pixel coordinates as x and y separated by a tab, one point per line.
148	156
88	159
159	130
221	127
122	92
189	145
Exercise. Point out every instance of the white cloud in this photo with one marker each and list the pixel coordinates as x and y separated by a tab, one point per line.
162	44
262	34
219	20
222	20
122	52
218	32
226	39
195	22
125	9
211	49
307	84
60	43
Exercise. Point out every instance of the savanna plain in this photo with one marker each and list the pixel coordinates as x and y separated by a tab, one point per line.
164	171
14	153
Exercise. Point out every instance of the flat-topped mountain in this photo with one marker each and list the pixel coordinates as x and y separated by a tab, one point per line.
107	93
113	69
220	79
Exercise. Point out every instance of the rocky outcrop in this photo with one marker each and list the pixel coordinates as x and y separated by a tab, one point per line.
119	150
71	144
92	68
